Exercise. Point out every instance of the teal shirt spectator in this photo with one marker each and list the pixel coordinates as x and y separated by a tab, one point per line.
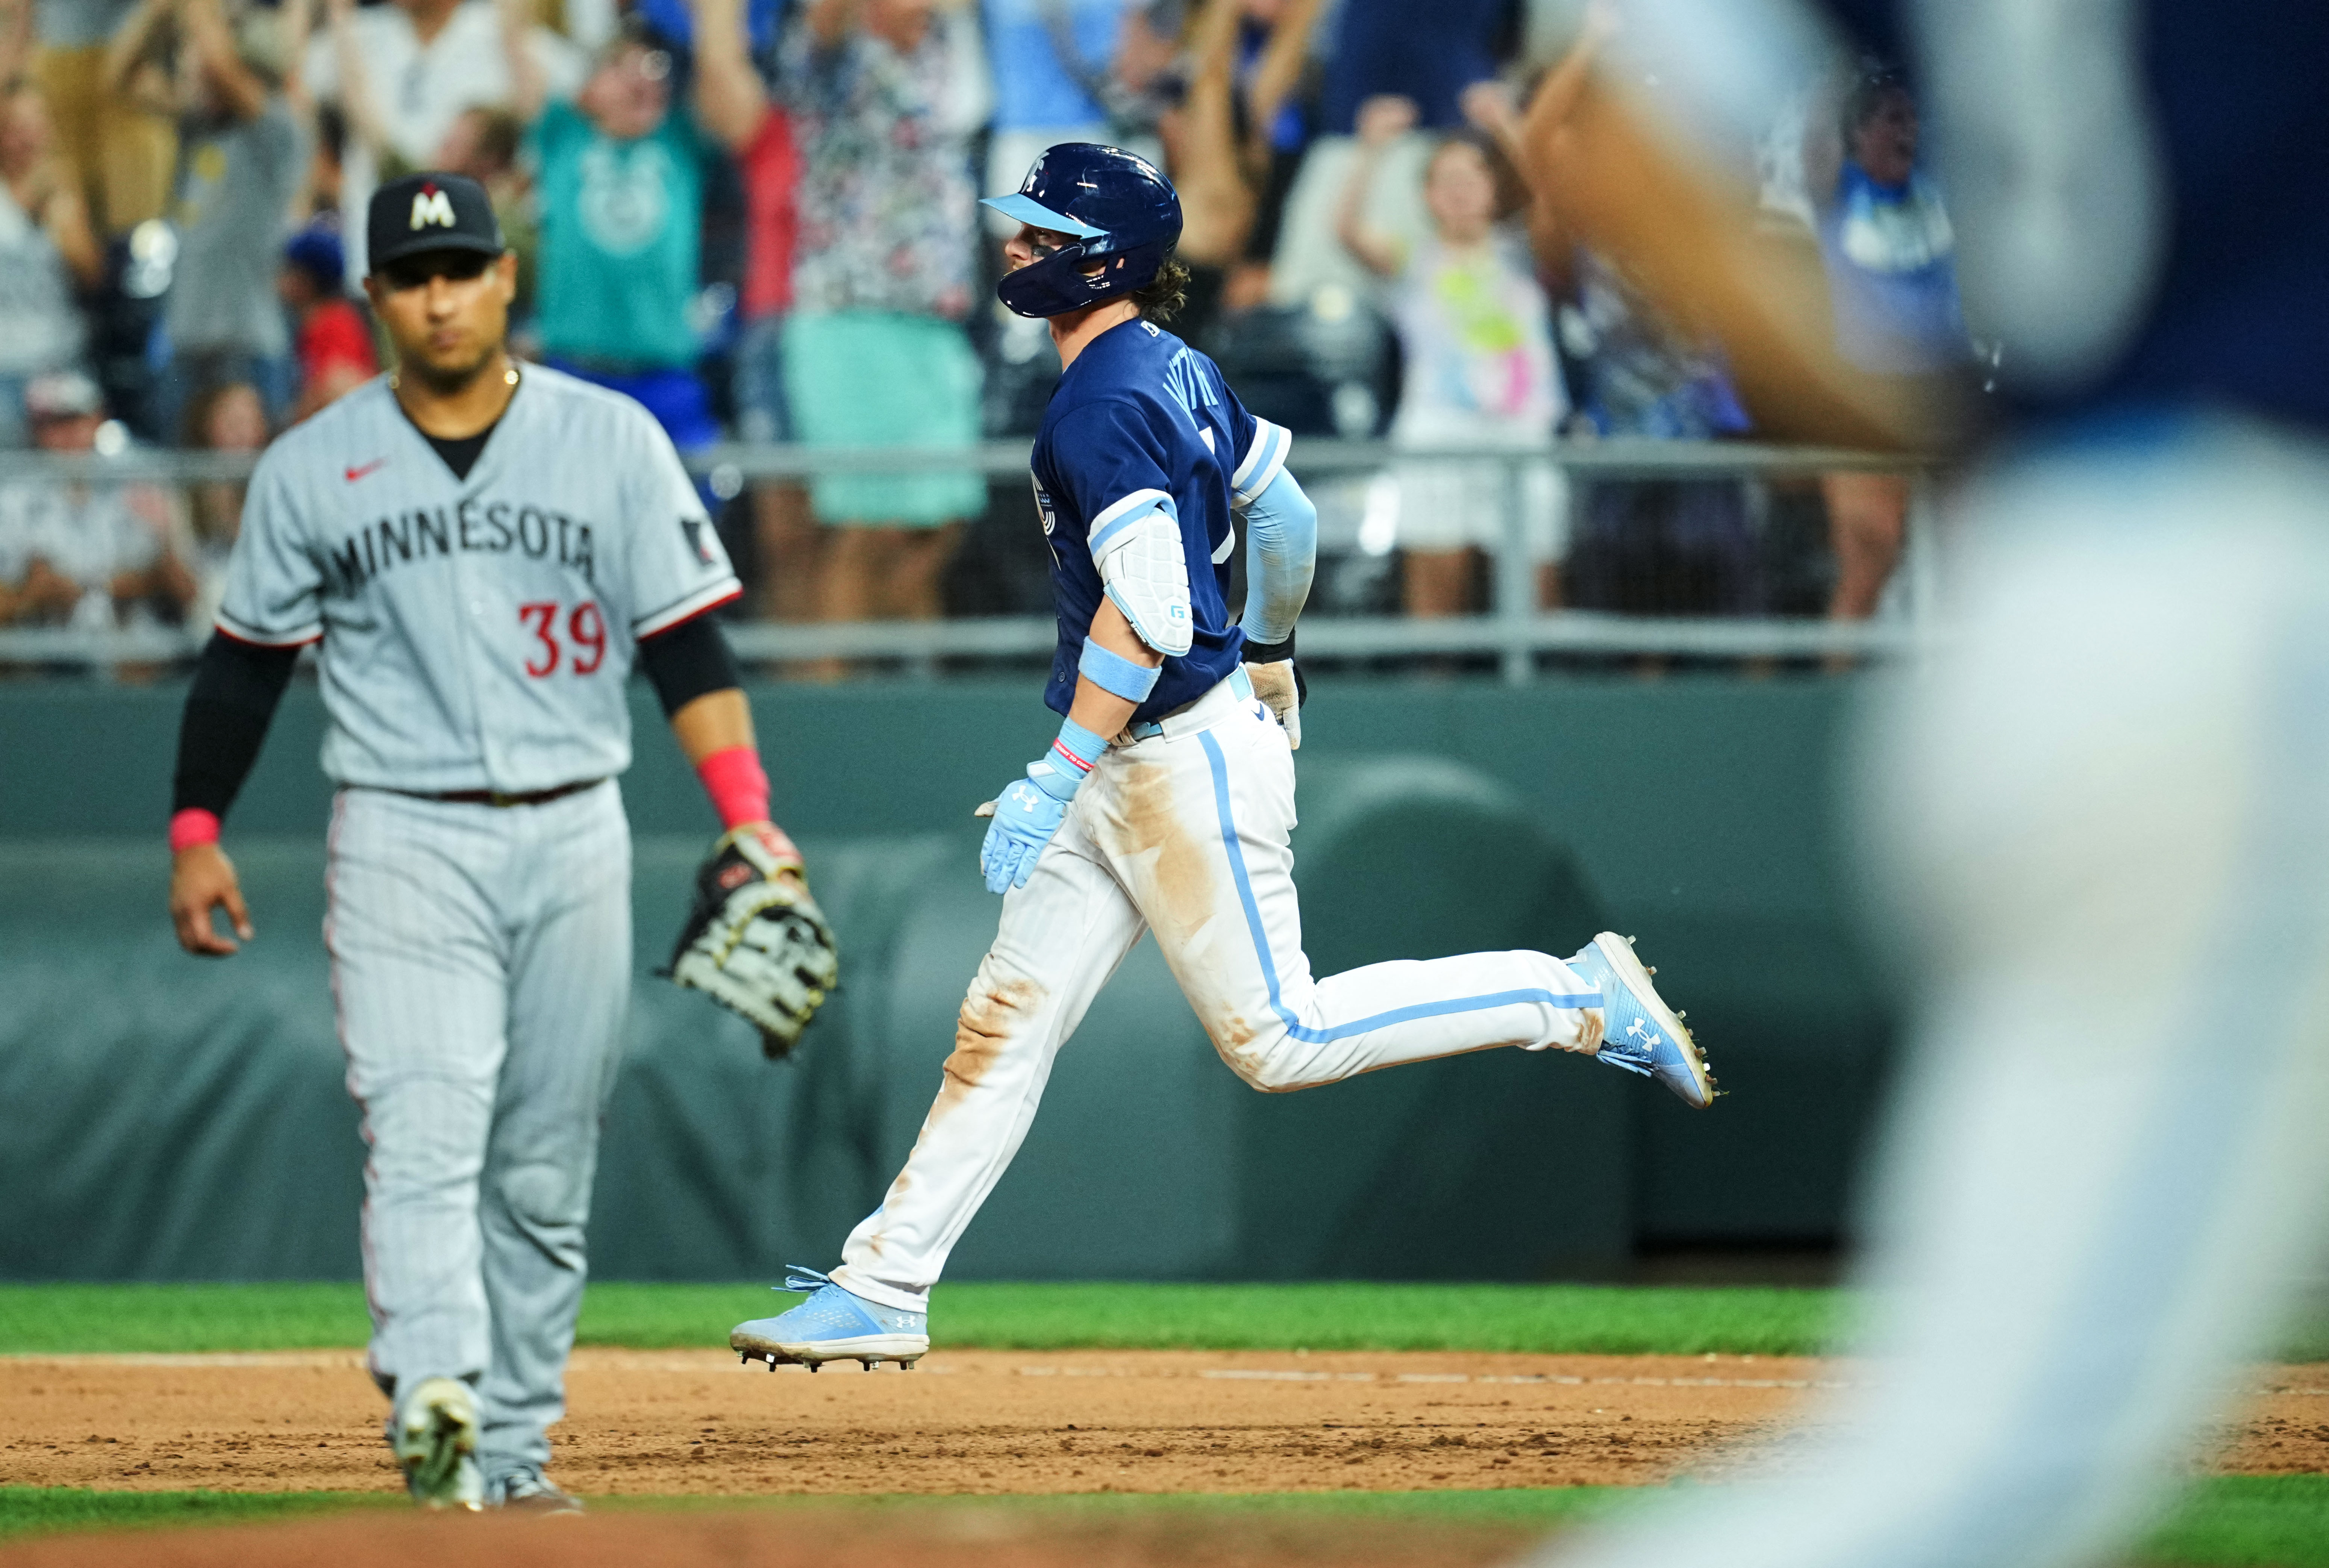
621	239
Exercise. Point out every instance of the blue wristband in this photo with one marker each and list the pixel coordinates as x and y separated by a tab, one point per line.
1116	675
1058	772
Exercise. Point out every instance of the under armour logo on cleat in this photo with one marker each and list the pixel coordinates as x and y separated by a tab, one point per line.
1646	1036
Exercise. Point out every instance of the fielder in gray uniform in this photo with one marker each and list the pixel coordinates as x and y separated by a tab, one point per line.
479	552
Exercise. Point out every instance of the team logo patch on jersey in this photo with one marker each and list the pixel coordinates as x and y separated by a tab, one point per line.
694	528
431	206
1043	507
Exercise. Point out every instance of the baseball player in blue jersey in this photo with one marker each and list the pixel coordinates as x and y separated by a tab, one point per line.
479	553
1166	801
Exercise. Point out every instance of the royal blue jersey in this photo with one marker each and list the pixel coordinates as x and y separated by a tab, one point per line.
1143	421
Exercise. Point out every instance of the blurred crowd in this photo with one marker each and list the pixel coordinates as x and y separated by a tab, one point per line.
759	218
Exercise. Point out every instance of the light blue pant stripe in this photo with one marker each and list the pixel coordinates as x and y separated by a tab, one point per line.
1294	1024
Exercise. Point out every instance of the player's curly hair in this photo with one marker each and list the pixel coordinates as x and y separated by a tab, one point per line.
1163	295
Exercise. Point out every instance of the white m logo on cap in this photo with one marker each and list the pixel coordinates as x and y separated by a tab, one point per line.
430	205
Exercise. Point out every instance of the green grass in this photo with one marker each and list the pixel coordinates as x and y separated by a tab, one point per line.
57	1319
2228	1522
44	1510
2249	1522
1575	1318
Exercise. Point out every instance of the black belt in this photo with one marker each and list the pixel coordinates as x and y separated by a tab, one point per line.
496	798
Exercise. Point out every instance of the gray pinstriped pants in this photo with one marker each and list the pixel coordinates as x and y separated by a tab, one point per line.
480	964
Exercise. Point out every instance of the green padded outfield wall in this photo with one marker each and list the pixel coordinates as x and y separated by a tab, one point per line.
170	1119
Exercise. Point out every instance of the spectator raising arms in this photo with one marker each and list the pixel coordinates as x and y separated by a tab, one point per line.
736	108
620	180
1480	369
887	95
1245	56
404	72
46	252
244	159
119	150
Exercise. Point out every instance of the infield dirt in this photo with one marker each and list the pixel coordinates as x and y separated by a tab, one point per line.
994	1422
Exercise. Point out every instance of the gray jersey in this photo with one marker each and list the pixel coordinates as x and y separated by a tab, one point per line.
477	634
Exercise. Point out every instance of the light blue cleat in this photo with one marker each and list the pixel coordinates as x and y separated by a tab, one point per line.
1639	1033
832	1324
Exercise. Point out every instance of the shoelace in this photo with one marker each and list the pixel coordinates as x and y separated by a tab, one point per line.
798	1278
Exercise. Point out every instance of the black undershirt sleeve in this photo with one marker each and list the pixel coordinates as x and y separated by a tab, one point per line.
690	659
236	687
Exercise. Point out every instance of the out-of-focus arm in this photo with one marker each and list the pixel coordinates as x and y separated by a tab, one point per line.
1687	236
729	101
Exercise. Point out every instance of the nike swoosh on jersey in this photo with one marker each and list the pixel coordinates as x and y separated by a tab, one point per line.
355	474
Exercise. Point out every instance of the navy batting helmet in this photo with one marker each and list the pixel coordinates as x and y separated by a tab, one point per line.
1123	214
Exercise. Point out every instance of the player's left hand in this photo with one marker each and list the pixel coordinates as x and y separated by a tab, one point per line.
1023	818
1282	690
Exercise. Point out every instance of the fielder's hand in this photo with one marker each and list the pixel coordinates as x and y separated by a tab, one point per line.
1281	688
201	879
755	940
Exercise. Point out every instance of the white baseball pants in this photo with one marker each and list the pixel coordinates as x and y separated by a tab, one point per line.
2103	814
481	964
1184	833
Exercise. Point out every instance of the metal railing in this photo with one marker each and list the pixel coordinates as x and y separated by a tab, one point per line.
1512	629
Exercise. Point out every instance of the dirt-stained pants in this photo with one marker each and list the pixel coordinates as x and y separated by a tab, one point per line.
1184	833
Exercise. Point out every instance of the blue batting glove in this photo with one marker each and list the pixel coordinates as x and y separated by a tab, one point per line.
1026	815
1028	812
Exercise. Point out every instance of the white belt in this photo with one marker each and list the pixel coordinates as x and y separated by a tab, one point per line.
1201	713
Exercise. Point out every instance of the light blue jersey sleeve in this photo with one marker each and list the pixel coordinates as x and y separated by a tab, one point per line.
1281	556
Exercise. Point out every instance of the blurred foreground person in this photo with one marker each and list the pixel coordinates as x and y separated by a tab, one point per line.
2097	805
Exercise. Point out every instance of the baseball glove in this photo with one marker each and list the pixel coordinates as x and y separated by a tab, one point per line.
755	940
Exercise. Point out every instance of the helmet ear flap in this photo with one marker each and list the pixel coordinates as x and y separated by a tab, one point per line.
1060	282
1051	287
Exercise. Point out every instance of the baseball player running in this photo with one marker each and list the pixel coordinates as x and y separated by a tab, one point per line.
1166	802
480	552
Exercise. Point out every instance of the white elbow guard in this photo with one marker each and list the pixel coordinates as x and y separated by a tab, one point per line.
1143	566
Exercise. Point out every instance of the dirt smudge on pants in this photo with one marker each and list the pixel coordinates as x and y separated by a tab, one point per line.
1175	892
1233	1034
991	1015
